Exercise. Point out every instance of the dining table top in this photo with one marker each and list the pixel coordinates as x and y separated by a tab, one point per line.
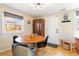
30	39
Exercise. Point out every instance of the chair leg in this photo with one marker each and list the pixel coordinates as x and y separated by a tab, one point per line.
40	52
37	51
61	44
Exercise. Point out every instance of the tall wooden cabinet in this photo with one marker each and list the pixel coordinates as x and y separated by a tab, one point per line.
77	44
38	26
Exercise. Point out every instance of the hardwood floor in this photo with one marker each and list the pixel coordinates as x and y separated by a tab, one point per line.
60	51
50	51
6	53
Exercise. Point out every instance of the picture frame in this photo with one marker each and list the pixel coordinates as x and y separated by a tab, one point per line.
65	18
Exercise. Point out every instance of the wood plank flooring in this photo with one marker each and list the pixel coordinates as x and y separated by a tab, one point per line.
50	51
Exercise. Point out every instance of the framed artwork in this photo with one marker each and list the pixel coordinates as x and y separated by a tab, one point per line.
65	17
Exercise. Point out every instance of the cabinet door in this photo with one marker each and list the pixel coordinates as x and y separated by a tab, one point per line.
38	27
35	27
41	27
77	44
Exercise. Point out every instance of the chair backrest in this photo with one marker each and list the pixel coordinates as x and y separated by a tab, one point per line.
14	37
20	50
46	39
43	43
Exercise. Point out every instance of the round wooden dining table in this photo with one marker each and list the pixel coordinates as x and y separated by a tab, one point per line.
30	39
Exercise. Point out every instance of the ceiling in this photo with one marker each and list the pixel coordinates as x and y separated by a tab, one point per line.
49	9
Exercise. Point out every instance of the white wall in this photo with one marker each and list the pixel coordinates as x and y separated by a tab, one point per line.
51	25
66	30
7	39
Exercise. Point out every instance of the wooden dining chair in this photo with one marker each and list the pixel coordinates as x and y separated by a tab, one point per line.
21	50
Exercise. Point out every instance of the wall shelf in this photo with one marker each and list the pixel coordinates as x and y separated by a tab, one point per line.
66	21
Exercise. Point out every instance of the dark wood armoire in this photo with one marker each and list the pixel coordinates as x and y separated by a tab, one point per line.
39	27
77	44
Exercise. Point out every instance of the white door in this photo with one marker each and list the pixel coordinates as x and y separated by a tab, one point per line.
52	29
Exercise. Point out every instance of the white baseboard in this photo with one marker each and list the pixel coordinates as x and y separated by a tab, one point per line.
5	50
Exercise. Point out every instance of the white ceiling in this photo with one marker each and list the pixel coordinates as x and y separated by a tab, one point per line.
47	10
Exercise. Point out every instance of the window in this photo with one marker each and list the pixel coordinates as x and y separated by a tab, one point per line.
76	30
12	23
77	20
77	13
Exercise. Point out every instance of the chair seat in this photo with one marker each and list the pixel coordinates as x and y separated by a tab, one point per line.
20	50
40	45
